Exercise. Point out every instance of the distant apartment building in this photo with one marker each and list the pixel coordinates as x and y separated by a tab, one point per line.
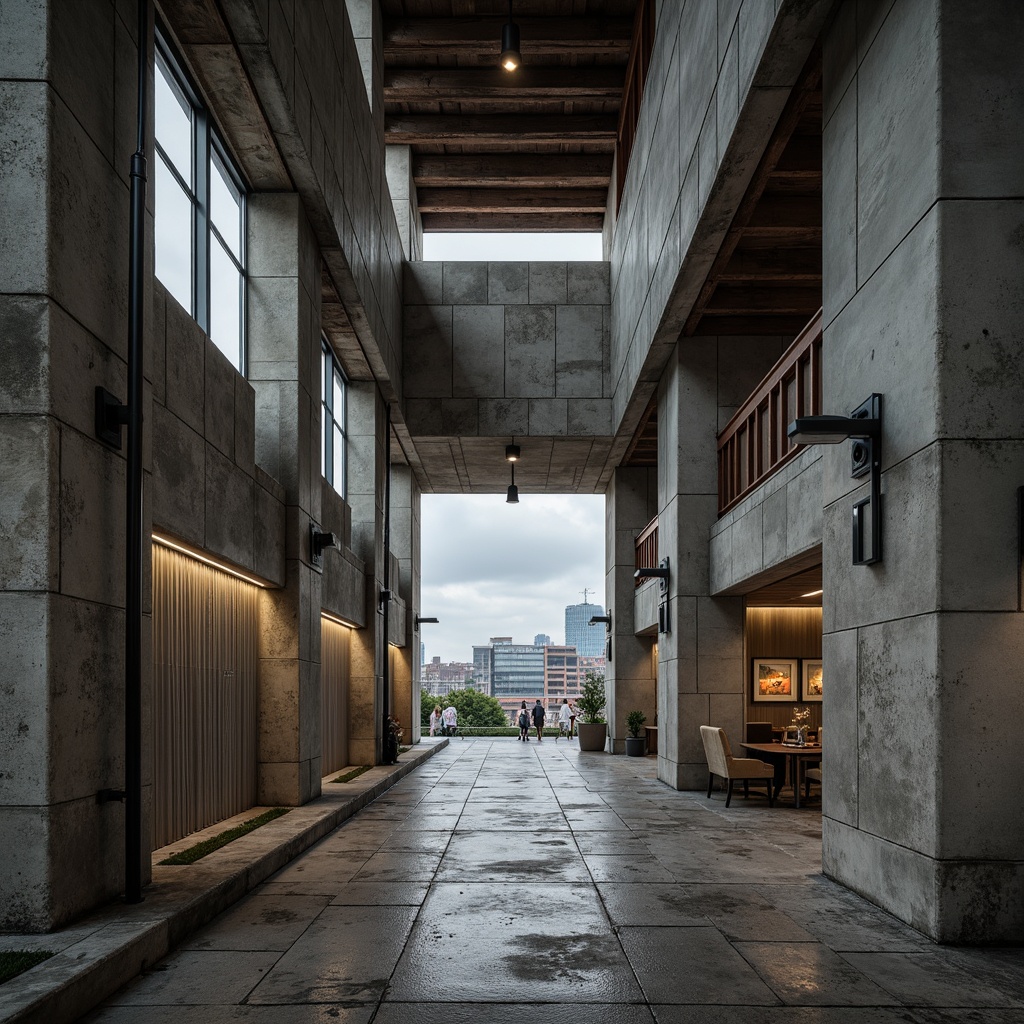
542	639
441	677
588	640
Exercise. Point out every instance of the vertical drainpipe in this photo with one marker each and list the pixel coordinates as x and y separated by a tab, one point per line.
133	512
386	593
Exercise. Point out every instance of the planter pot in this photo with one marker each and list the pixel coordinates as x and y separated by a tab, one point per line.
635	746
591	736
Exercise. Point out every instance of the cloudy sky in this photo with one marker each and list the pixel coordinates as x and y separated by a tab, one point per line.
494	569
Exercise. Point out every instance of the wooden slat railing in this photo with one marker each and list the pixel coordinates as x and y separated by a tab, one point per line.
647	547
753	444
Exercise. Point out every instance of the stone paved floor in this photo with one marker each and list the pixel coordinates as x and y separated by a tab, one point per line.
503	882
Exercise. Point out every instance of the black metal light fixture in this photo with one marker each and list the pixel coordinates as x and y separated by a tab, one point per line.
512	451
422	618
511	58
607	620
864	425
319	542
512	497
661	574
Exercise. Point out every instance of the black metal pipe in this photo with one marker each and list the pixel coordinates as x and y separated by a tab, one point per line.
133	503
386	701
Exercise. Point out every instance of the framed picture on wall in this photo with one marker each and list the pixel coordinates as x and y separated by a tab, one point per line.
810	681
774	679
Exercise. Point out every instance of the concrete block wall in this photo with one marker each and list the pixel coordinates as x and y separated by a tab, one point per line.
922	238
304	63
720	75
492	349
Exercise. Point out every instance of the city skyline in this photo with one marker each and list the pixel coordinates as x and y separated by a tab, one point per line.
494	569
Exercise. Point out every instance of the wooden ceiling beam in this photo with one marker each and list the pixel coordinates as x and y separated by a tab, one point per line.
511	200
761	325
563	221
783	300
773	265
513	170
498	129
445	85
407	38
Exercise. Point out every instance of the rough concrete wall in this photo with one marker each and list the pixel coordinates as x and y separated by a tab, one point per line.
769	527
66	135
206	487
492	349
305	66
923	223
719	78
403	199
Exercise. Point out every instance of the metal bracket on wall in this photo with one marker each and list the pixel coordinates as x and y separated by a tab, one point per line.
111	415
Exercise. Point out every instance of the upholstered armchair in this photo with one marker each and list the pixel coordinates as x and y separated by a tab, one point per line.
732	769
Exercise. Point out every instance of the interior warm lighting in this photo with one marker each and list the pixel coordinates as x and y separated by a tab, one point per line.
813	593
338	621
511	453
511	58
166	542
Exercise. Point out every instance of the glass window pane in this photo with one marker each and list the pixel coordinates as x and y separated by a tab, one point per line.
325	443
339	399
173	122
226	206
173	236
339	462
225	304
325	375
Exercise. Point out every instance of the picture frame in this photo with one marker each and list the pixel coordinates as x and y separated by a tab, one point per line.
774	680
811	683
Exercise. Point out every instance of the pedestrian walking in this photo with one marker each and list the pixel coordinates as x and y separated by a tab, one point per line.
435	719
523	720
450	717
565	720
572	718
538	720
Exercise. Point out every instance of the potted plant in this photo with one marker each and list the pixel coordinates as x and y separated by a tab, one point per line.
635	743
590	725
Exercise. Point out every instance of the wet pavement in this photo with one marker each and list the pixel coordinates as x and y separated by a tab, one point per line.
507	882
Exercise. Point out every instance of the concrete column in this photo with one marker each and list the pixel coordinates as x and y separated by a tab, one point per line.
700	659
284	370
398	167
924	652
629	676
364	17
366	449
63	317
405	545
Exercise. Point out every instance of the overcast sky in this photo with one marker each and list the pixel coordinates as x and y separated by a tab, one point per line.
494	569
500	247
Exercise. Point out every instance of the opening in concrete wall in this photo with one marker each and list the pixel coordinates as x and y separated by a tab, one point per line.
504	246
510	579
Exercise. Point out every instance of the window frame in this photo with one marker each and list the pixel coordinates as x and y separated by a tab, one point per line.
207	146
330	371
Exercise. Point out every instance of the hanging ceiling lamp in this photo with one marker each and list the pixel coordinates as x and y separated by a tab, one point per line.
510	58
512	498
512	451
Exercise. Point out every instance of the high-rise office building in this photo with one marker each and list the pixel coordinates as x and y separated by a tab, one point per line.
588	640
542	639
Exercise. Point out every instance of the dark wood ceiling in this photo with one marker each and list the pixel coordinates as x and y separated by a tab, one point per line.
529	150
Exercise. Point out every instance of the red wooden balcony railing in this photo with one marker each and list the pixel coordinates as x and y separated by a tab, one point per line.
753	444
647	547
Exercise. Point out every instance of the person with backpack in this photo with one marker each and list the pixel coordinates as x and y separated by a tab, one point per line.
523	720
538	720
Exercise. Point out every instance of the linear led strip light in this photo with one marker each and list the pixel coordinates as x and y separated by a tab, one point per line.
338	620
166	542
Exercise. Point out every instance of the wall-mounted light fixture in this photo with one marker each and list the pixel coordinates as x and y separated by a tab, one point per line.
421	618
512	497
864	425
319	542
510	58
607	620
660	574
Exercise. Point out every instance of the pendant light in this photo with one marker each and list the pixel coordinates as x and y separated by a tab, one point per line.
513	492
510	58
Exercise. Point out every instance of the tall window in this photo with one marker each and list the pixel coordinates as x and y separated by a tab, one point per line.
333	401
200	211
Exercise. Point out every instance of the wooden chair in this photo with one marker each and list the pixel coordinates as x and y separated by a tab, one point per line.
813	774
732	769
763	732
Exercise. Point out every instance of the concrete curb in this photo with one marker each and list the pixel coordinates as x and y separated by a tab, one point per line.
105	951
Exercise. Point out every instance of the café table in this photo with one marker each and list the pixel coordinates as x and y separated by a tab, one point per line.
812	752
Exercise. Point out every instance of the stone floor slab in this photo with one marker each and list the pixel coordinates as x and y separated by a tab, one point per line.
260	921
199	978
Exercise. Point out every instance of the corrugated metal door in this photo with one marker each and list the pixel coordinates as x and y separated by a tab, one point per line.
205	632
334	668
